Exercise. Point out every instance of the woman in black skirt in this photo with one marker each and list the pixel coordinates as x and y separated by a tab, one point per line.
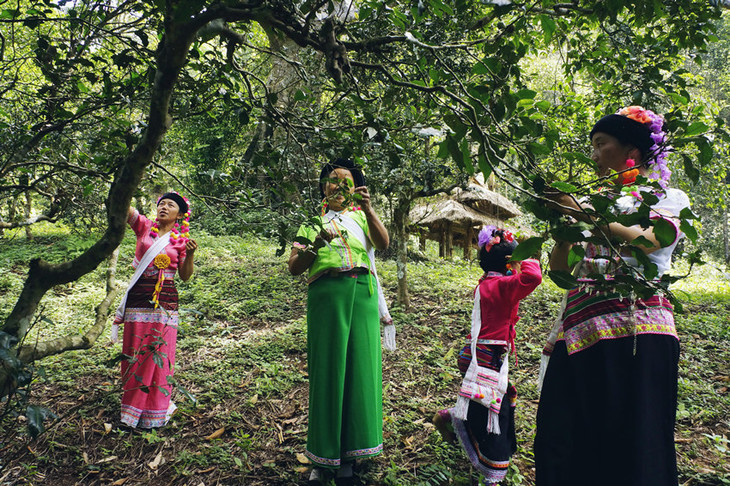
609	395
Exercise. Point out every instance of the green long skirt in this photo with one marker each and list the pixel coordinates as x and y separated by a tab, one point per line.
345	371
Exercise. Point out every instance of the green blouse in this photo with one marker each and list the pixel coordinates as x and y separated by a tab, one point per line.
339	255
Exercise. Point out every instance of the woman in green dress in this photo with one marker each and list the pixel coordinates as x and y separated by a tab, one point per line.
343	324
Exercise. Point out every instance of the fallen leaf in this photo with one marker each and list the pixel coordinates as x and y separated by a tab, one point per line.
205	471
216	434
156	462
302	458
408	441
107	428
85	457
119	482
301	469
107	459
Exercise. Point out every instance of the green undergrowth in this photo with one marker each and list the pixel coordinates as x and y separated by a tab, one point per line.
241	371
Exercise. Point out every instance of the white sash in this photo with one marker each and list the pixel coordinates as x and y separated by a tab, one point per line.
351	226
147	258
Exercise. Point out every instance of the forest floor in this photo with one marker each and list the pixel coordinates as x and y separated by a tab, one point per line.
241	370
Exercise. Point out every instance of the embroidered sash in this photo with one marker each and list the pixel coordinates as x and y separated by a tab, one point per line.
144	262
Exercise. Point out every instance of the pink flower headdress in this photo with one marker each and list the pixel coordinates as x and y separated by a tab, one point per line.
657	154
490	235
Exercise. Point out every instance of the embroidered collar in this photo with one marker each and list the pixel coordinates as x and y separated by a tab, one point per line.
492	273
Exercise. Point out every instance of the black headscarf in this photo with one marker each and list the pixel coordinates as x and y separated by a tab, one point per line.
626	130
341	163
178	199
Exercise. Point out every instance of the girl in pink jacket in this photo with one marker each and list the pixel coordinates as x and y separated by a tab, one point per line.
483	417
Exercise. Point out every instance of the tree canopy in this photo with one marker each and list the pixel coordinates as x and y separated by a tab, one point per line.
238	101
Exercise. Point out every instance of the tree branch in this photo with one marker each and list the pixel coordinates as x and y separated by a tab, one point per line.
30	353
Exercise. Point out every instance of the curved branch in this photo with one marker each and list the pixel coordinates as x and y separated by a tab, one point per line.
51	216
30	353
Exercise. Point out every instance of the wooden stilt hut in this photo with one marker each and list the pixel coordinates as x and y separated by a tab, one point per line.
456	220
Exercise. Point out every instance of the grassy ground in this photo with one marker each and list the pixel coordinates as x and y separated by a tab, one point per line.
241	355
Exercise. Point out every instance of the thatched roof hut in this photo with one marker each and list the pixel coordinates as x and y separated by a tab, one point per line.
456	220
485	201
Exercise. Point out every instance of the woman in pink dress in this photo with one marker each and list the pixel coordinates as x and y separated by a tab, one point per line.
149	311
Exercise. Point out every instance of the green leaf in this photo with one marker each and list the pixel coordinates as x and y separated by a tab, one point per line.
665	232
37	416
706	152
563	279
686	213
443	151
456	125
489	65
526	249
695	129
484	165
526	94
572	233
689	230
642	241
650	268
538	184
548	27
9	13
466	157
576	254
543	105
538	149
563	186
689	168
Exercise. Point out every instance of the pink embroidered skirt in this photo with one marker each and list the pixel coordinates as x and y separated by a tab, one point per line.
150	339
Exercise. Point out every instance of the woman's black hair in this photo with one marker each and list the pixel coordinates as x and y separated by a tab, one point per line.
341	163
495	260
626	130
178	200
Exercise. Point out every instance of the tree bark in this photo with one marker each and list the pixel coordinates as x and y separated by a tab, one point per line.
467	242
449	241
28	209
400	224
725	236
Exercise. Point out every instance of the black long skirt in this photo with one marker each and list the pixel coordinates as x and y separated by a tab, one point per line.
606	416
